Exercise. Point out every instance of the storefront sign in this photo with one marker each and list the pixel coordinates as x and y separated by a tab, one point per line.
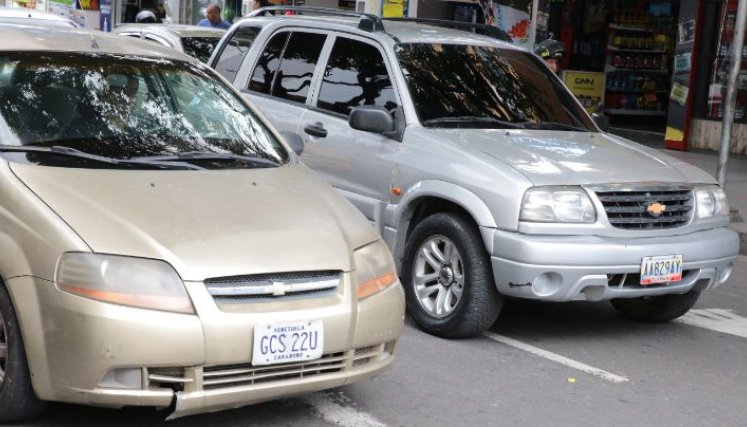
105	20
587	86
678	113
394	8
679	93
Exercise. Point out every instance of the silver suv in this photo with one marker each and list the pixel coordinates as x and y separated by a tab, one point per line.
484	175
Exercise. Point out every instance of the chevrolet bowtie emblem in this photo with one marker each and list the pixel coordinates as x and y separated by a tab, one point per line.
656	209
278	289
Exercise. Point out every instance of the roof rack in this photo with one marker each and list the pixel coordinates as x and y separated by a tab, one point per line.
486	30
367	22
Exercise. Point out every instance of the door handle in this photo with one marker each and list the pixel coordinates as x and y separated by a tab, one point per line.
316	129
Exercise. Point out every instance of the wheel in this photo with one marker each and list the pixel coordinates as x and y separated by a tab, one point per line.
661	308
17	399
448	279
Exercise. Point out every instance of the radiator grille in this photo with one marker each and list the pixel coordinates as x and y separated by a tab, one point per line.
234	375
273	285
647	210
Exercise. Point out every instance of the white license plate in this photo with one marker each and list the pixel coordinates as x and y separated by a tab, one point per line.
287	342
661	269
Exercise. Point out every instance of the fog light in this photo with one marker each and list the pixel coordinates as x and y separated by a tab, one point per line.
127	378
546	284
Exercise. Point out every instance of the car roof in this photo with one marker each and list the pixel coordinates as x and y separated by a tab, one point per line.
10	14
399	31
178	30
30	38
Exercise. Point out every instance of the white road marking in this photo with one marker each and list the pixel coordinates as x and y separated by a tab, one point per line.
336	408
556	358
716	319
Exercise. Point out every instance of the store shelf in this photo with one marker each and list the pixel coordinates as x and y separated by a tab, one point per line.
611	69
639	29
636	91
621	111
619	49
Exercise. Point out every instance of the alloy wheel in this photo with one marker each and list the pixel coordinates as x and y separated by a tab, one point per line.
438	276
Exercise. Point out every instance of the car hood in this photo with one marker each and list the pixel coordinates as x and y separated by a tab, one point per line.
210	223
576	158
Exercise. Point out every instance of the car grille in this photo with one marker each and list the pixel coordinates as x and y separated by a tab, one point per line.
273	286
232	375
633	280
647	209
227	376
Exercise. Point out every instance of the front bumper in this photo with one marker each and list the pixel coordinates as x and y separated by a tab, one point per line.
89	352
565	268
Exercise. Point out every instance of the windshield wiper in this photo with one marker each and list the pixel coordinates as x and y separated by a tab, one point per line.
72	152
472	121
209	155
552	126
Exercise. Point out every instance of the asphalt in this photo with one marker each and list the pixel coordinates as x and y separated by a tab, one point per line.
736	174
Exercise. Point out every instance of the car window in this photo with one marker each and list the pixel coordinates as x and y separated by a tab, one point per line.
355	75
123	107
451	84
297	66
269	61
199	47
234	51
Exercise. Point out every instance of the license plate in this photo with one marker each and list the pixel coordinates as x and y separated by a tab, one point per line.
287	342
661	269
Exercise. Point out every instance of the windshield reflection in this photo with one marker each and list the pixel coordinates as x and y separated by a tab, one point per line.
125	107
468	85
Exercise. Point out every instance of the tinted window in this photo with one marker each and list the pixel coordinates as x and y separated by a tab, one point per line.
297	66
199	47
269	61
355	75
126	107
463	85
234	51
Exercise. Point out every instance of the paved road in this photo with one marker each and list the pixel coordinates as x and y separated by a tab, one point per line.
573	364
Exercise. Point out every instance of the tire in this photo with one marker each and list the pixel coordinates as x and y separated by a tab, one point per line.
18	402
661	308
463	284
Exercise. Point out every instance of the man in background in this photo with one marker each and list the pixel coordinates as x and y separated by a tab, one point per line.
213	18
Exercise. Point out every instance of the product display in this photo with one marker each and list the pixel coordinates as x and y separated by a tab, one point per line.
720	70
639	54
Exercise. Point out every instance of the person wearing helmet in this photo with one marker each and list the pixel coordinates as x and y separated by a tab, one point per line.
146	17
552	51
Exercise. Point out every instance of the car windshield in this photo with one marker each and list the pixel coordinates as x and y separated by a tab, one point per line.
200	47
455	85
122	108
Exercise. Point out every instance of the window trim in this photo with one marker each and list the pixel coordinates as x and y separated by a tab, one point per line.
159	39
313	100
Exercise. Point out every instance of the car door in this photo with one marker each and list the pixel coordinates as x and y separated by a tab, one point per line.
359	164
280	81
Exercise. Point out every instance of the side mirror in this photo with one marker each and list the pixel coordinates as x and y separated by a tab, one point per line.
294	140
371	119
602	121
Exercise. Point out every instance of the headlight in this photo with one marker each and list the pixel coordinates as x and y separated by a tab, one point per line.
136	282
374	269
557	204
711	202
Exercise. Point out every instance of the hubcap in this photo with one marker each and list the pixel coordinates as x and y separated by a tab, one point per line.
438	276
3	349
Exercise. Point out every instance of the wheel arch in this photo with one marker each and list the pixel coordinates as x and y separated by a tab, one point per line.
428	197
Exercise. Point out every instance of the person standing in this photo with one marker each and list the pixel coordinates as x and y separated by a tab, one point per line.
213	18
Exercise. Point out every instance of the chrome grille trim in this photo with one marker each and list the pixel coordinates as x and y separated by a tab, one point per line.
219	376
626	206
273	285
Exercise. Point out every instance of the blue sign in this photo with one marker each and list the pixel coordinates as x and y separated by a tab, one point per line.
105	20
